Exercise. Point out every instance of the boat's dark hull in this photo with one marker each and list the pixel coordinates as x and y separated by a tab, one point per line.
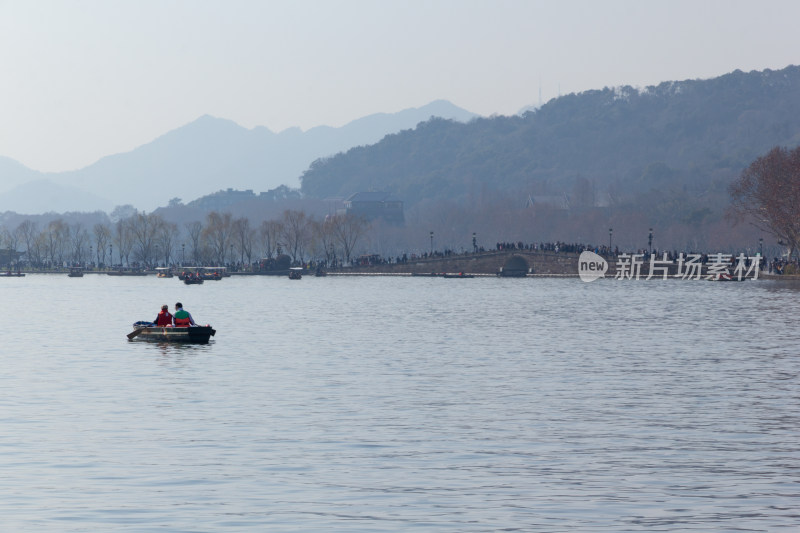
193	335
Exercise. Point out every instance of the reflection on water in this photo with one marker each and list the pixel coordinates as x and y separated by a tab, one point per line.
174	348
363	404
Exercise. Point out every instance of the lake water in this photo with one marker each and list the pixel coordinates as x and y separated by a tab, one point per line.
401	404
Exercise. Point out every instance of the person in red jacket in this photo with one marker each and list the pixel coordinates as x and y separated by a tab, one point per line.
164	318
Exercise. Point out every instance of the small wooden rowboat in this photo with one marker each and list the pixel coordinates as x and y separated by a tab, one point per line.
191	334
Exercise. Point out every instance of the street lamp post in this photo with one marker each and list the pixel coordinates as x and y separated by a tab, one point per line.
610	233
474	243
431	243
90	254
111	254
761	246
183	254
650	241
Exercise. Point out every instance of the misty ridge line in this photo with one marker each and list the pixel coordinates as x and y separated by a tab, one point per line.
209	153
676	142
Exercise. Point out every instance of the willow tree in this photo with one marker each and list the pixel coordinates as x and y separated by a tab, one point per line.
768	195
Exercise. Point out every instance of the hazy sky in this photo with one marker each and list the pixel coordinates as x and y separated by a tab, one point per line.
83	79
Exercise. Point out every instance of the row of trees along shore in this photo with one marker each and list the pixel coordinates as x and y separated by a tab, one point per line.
147	240
766	195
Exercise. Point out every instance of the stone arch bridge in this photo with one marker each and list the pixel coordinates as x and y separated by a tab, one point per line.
511	262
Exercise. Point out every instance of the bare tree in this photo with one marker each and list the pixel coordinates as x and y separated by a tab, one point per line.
80	241
64	237
5	238
11	239
102	237
324	238
194	230
348	230
243	237
166	237
296	233
768	194
27	232
270	231
36	250
57	241
123	236
217	234
143	231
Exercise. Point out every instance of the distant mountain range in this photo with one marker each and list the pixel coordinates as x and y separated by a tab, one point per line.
681	142
197	159
668	150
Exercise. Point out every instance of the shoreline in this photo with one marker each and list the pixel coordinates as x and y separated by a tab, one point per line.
409	274
500	263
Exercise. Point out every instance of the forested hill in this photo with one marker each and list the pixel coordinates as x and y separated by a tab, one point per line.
694	135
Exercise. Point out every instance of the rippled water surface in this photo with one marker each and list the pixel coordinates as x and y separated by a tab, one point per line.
398	404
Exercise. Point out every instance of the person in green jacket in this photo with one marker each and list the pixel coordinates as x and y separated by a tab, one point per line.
182	317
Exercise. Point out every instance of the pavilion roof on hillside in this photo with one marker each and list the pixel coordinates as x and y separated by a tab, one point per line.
372	197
